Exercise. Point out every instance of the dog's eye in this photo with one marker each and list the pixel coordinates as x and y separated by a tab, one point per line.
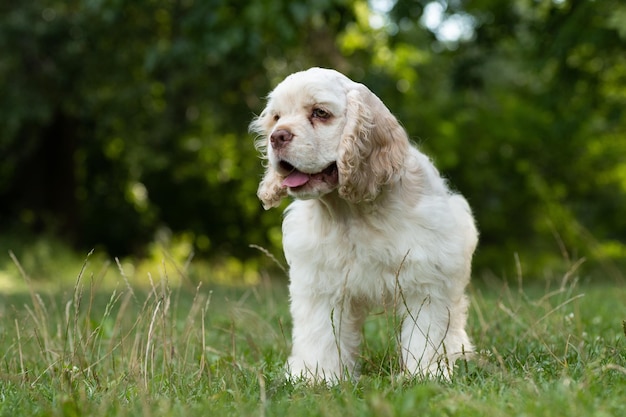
320	113
276	117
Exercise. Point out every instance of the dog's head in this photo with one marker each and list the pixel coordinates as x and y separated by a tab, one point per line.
322	132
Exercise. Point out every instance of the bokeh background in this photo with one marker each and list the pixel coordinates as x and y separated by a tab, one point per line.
123	124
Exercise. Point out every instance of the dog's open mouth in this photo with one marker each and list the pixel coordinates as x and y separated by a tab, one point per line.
296	179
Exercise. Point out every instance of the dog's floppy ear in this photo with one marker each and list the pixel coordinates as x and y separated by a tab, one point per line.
270	190
373	147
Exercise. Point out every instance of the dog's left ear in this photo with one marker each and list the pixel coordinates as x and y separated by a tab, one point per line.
373	147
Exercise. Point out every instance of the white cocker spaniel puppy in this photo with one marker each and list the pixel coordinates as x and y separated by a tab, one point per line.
373	224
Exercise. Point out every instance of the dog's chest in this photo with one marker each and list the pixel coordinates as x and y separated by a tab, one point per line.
365	257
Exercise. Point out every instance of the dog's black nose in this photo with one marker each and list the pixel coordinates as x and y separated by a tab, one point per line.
280	138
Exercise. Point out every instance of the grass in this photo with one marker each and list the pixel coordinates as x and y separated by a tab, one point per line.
558	349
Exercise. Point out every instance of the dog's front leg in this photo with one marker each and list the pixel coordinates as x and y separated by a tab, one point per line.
433	336
326	338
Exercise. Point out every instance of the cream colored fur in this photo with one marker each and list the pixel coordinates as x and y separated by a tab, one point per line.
383	230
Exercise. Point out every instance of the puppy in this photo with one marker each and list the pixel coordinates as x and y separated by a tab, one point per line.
373	224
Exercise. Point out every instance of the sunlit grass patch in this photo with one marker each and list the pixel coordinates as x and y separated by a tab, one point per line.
51	266
200	348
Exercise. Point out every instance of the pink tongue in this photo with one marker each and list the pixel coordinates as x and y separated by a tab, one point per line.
296	179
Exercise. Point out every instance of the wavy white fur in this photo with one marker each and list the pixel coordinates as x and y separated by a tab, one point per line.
373	224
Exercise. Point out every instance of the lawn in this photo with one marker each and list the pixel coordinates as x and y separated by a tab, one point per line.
555	348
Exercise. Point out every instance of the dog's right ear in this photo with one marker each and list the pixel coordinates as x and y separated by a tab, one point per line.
271	190
260	127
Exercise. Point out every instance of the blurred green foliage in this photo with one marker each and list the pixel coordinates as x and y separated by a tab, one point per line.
124	121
